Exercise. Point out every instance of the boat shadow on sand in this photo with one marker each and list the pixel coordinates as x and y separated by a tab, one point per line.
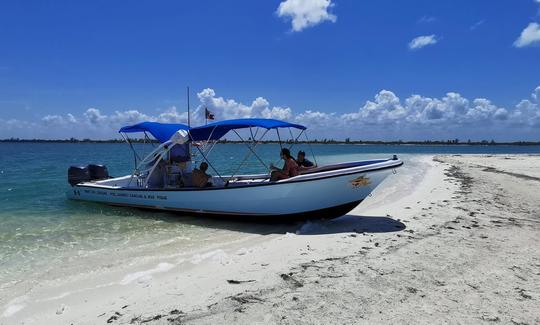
345	224
349	223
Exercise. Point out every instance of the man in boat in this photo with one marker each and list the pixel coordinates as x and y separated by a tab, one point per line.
199	177
302	162
290	168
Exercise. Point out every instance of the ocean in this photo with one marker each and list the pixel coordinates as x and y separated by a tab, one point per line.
44	236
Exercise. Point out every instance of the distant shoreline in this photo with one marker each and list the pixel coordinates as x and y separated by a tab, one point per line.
454	142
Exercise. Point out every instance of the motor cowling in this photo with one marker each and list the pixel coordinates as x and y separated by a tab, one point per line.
98	172
78	174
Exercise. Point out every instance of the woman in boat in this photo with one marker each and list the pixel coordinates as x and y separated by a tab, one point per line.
290	168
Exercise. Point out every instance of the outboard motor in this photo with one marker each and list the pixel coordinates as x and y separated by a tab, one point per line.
98	172
78	174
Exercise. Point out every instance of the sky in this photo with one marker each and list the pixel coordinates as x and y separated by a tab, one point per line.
368	70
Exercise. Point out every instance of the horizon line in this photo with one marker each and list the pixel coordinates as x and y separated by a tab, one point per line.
315	141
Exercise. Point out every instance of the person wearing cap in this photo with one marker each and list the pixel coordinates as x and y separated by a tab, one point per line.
302	162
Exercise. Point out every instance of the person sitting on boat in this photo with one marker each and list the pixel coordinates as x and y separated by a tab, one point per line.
290	168
199	176
302	162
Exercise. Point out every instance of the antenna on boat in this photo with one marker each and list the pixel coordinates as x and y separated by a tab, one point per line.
188	119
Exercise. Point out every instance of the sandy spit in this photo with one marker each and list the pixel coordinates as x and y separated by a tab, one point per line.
460	245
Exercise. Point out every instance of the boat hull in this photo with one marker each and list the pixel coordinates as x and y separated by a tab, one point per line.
326	196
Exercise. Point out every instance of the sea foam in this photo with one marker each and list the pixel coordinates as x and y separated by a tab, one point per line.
145	276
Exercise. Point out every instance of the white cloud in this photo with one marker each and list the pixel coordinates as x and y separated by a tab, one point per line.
70	118
306	13
259	105
529	36
483	109
315	118
478	24
386	116
451	109
385	108
279	113
421	41
52	119
171	115
224	108
231	109
93	115
59	119
126	117
527	112
536	94
13	124
426	19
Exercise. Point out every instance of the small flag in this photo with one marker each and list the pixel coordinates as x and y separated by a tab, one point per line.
209	115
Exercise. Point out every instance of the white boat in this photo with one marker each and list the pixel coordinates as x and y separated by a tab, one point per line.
159	180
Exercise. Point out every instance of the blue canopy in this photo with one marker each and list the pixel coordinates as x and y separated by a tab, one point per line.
215	131
161	131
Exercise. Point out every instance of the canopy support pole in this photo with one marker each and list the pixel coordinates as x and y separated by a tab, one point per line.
249	155
295	140
251	132
279	139
159	158
210	164
188	109
292	136
251	149
210	148
135	155
152	155
213	144
311	149
146	137
206	148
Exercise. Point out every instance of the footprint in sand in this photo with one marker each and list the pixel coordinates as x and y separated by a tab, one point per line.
61	309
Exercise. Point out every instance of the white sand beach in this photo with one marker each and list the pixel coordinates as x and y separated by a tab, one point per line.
455	239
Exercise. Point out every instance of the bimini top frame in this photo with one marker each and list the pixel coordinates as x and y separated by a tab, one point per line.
205	137
217	130
161	131
211	133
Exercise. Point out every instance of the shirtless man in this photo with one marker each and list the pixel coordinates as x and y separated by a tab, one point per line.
200	178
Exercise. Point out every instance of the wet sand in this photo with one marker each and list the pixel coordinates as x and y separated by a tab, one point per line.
458	245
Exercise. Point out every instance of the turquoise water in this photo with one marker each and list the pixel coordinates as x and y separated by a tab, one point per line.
41	230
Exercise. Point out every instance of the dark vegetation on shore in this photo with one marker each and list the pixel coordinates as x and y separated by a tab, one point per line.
323	141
